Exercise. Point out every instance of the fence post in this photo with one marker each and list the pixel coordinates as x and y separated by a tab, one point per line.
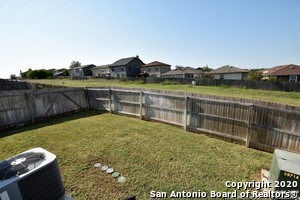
141	104
249	125
109	90
185	113
87	97
30	102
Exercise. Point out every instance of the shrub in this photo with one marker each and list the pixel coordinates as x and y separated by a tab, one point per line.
39	74
169	82
255	75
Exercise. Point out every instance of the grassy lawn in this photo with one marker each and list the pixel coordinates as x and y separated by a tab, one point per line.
151	156
290	98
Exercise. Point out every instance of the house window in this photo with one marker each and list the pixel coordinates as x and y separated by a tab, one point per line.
112	69
293	79
129	68
156	68
149	69
122	68
221	76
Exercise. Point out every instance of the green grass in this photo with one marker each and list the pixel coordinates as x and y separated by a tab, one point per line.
151	156
290	98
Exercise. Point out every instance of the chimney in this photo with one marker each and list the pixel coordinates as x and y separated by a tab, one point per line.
137	56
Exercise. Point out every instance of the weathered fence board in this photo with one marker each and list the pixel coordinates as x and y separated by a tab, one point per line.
256	125
17	109
14	85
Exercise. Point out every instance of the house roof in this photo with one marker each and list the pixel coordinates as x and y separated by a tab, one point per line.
284	70
124	61
83	66
155	63
183	70
101	67
228	69
58	73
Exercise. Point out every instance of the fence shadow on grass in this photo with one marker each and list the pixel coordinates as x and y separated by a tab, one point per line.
49	121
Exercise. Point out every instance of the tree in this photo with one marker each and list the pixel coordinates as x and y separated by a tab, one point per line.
179	67
13	76
255	75
65	72
75	64
205	70
25	74
39	74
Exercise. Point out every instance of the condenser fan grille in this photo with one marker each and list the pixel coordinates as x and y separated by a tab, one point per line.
20	164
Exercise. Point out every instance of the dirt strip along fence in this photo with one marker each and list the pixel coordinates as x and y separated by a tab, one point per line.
26	106
257	124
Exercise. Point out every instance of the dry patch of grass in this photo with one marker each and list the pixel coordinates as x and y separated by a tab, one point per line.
151	156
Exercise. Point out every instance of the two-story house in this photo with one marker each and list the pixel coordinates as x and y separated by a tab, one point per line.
126	67
84	70
101	71
155	69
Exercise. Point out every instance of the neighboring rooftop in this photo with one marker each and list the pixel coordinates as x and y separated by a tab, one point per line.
101	66
124	61
228	69
83	66
183	70
155	63
284	70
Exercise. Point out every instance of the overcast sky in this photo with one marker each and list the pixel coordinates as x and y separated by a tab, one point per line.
244	33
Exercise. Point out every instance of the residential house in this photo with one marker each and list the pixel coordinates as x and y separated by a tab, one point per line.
126	67
84	70
229	72
155	69
183	72
102	71
288	73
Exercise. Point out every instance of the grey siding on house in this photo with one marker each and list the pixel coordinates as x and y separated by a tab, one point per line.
286	78
101	71
75	72
118	71
231	76
155	71
133	68
82	71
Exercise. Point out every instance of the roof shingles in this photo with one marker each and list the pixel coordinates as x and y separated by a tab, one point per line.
123	61
183	70
285	70
155	63
228	69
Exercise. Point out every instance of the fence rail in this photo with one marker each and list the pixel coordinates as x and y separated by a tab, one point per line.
257	126
29	106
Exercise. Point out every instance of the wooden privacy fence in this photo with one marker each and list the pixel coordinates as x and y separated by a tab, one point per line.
14	85
256	126
20	107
